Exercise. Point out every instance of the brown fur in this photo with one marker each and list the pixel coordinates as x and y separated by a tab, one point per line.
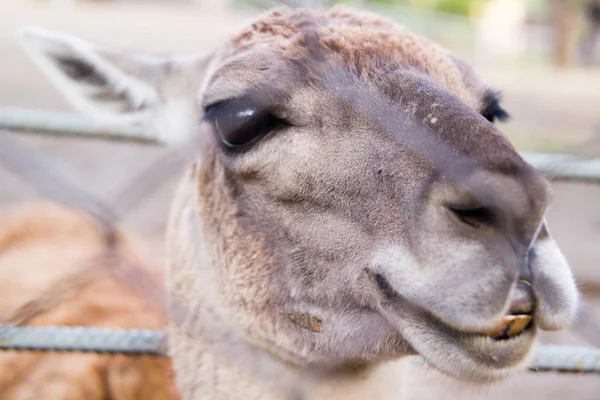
53	272
366	44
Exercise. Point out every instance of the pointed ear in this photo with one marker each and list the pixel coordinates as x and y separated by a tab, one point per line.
97	82
116	88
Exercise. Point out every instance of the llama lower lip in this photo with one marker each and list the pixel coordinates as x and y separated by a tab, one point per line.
510	326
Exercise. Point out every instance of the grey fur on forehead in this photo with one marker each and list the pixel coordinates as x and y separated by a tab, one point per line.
365	43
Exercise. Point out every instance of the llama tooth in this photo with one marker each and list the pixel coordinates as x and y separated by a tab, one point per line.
501	326
518	324
512	325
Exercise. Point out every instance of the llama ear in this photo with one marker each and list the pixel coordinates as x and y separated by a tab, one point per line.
107	85
116	88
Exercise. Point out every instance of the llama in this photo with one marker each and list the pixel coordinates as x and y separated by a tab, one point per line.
53	271
349	202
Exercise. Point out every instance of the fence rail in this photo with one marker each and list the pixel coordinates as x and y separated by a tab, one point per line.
67	124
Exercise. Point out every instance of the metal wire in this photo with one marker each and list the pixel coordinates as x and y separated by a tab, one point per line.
83	339
68	124
566	359
572	359
565	167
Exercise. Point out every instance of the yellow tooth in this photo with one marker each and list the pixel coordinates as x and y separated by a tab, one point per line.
500	327
518	324
515	323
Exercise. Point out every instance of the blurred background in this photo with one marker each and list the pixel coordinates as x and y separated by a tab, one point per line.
543	55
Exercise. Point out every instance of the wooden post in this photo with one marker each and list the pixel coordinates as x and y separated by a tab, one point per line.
564	16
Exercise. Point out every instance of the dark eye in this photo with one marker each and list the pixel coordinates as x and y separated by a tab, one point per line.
242	121
477	217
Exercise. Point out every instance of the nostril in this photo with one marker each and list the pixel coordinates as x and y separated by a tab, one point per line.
522	300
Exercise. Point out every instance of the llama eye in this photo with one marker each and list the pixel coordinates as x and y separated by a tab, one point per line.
242	121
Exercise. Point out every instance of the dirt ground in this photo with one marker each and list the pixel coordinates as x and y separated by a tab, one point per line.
551	111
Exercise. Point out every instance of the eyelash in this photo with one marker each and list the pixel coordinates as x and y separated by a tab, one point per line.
492	109
493	112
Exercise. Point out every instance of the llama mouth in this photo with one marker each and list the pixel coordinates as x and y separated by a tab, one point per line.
510	331
511	326
476	356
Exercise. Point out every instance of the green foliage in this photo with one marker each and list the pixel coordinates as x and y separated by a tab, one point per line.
461	7
458	7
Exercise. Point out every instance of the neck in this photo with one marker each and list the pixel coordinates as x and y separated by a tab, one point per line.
214	360
206	369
